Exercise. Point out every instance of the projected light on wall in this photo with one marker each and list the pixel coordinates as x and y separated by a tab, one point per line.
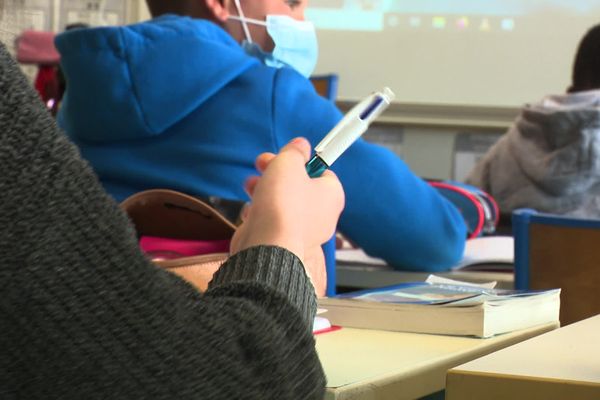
471	52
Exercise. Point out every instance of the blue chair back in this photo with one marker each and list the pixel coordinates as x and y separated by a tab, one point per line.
556	251
326	85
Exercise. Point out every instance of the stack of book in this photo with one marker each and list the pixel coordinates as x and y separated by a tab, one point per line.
441	308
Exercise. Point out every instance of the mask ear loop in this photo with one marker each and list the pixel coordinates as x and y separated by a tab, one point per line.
248	20
242	19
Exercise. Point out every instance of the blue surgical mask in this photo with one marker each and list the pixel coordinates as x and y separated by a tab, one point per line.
295	42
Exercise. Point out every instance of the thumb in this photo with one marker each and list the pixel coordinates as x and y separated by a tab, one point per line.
299	145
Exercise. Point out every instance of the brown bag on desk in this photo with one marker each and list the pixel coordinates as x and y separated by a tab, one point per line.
169	214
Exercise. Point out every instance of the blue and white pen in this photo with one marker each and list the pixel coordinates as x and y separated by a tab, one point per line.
350	128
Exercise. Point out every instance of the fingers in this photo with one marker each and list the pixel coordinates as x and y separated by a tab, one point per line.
299	145
250	185
332	185
329	174
330	178
245	211
263	160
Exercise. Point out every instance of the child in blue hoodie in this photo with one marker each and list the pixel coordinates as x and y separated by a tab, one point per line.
188	103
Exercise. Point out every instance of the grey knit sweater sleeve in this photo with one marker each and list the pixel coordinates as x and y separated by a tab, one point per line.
84	315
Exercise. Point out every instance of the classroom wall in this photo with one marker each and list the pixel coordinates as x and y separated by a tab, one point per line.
142	11
53	15
436	152
439	142
493	52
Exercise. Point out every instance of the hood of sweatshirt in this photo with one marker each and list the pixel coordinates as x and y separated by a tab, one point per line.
137	81
556	142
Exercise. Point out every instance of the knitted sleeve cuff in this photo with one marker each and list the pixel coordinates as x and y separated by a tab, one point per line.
275	267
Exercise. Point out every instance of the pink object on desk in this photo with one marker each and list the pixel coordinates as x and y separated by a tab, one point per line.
332	328
166	248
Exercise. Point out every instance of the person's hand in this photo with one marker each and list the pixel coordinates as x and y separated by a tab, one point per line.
291	210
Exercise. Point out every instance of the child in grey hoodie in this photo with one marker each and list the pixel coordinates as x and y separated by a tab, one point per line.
550	158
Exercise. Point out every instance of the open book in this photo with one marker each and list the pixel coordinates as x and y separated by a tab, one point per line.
443	309
488	253
483	253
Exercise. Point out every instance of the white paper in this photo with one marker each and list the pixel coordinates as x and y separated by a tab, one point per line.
488	250
357	256
320	323
445	281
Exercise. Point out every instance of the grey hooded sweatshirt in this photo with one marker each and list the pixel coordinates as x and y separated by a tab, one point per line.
549	160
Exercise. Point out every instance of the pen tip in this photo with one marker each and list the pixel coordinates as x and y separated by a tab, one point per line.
389	94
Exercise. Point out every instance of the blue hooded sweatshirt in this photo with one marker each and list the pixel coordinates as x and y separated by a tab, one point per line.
176	103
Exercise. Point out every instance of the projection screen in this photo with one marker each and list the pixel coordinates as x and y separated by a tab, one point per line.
457	52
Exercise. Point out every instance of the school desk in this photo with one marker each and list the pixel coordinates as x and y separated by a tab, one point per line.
368	364
562	364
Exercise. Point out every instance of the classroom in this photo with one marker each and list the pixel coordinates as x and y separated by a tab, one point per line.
300	199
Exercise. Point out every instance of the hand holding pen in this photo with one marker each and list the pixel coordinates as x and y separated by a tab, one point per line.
291	210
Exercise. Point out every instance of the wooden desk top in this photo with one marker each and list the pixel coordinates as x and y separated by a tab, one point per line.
563	364
367	364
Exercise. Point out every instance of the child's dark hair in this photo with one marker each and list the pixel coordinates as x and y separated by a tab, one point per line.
586	68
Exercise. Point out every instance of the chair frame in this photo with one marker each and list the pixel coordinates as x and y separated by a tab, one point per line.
554	251
326	85
521	222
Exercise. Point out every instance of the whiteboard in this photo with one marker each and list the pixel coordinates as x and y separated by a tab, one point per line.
458	52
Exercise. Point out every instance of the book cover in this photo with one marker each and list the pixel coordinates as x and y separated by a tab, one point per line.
443	309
